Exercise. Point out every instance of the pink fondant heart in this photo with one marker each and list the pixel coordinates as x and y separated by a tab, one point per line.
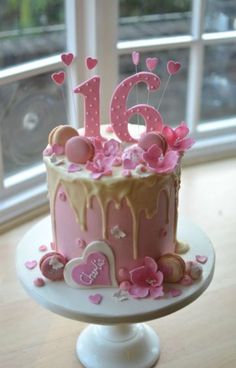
67	58
173	67
175	292
58	78
31	264
96	298
43	248
201	259
93	271
151	63
91	63
135	57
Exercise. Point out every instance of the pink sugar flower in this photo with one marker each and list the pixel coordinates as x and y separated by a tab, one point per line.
146	280
158	162
132	157
111	148
100	166
177	138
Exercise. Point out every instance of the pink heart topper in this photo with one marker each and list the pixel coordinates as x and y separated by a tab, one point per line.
135	57
67	58
91	63
31	264
173	67
151	63
58	78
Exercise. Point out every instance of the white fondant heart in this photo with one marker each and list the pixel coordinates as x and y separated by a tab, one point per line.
95	269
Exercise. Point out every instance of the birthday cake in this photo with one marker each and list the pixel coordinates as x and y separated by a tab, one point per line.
113	192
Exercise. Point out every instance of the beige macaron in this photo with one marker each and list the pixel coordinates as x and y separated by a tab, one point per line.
61	134
172	266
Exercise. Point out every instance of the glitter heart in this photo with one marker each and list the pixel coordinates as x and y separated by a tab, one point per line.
151	63
58	78
30	264
135	57
96	298
67	58
173	67
91	63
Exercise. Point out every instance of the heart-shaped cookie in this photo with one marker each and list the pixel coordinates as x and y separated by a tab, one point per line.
173	67
94	269
67	58
151	63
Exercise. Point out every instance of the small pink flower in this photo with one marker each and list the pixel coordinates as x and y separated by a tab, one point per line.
111	148
132	157
176	138
146	280
57	149
100	166
158	162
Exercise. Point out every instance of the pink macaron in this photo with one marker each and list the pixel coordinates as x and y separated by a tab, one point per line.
149	139
52	266
79	150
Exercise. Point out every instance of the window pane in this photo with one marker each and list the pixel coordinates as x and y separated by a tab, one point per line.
30	30
220	15
173	104
219	82
140	19
29	110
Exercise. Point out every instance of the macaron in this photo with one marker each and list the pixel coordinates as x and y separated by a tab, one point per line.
149	139
52	266
61	134
172	266
79	150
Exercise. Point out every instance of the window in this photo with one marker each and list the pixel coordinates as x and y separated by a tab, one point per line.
196	33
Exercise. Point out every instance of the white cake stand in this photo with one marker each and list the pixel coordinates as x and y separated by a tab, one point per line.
116	338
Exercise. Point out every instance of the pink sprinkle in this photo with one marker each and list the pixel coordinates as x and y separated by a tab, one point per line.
31	264
174	292
43	248
81	243
39	282
96	298
62	196
201	259
186	280
74	168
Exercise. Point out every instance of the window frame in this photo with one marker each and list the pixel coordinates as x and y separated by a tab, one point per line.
87	24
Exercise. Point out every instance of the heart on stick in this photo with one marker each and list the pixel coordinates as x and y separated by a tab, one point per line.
58	78
151	63
91	63
173	67
67	58
135	57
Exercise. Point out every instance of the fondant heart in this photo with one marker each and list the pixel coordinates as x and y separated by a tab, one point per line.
91	63
67	58
30	264
93	271
173	67
151	63
201	259
96	298
135	57
58	78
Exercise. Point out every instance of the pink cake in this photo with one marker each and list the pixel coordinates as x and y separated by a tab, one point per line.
113	193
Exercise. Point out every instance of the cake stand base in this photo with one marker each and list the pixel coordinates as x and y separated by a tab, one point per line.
123	345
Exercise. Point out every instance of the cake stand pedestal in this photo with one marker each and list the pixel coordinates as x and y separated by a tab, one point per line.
116	338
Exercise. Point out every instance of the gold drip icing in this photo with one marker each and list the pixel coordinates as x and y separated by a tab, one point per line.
140	193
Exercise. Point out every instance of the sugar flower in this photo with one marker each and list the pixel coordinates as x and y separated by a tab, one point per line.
100	166
146	280
132	157
158	162
177	138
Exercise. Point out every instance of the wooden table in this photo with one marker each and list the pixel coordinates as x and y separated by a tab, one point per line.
202	334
